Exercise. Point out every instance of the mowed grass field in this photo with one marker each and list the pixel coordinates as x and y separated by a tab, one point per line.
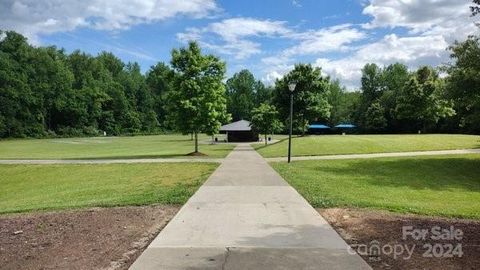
436	185
363	144
157	146
40	187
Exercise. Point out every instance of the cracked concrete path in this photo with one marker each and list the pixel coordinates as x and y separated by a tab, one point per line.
380	155
247	217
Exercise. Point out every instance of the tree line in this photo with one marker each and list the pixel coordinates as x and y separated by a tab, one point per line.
45	91
391	99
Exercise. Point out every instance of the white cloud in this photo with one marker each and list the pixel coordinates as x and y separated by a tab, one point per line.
271	77
34	17
426	28
235	28
431	24
335	38
448	17
411	51
312	42
235	37
296	3
234	34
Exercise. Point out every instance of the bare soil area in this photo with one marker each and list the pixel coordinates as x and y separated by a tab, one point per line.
97	238
421	248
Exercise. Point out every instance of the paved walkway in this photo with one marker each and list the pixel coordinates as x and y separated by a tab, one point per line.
380	155
107	161
247	217
219	160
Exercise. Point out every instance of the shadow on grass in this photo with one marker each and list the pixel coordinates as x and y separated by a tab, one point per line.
270	144
418	174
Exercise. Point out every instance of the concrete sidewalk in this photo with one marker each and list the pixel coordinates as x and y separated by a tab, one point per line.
107	161
247	217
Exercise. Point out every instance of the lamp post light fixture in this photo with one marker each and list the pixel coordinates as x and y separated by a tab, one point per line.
291	87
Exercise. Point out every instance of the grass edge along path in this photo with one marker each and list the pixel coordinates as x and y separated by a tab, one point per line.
447	186
54	187
318	145
152	146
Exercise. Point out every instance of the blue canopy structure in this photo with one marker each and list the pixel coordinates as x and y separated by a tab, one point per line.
345	126
318	126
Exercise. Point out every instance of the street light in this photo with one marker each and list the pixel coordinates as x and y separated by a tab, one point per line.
291	87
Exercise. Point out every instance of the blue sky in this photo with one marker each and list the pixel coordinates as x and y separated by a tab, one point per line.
267	37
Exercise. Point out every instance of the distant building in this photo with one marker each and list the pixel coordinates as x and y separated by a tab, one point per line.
346	128
318	129
239	131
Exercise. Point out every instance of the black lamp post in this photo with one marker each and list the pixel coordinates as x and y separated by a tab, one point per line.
291	87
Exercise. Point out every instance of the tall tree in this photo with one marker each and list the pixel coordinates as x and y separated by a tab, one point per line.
263	94
463	83
98	101
16	98
372	89
394	77
159	81
197	103
45	92
372	86
310	96
241	94
421	102
51	81
343	103
265	120
375	118
141	115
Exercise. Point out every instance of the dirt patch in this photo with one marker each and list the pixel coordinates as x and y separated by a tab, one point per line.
196	154
98	238
360	227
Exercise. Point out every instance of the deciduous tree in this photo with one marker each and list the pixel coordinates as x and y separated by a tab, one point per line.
265	120
421	101
197	102
241	95
375	118
463	83
310	97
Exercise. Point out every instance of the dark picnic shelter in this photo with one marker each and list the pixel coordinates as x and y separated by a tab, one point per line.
240	131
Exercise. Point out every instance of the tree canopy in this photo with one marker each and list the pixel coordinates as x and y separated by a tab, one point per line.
265	120
245	93
310	97
463	83
45	91
197	102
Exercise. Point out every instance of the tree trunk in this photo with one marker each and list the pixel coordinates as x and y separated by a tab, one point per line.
196	142
303	126
265	138
49	121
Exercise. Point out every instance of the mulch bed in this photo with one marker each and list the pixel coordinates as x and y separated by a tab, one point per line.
360	227
97	238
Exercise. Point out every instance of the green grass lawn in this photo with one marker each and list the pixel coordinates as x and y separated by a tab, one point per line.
39	187
435	185
158	146
362	144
